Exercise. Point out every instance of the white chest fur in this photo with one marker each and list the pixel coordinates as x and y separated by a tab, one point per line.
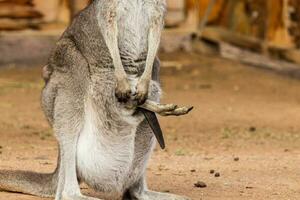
135	18
133	25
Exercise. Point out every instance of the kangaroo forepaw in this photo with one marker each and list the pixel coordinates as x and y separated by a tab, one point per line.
141	94
141	97
123	90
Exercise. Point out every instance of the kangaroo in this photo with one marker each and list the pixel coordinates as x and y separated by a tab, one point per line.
101	77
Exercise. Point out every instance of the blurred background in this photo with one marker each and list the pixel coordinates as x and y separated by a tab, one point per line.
269	28
236	61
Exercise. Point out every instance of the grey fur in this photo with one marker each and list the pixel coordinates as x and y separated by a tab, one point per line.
107	54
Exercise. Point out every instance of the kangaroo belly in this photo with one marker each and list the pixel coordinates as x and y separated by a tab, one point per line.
103	168
105	157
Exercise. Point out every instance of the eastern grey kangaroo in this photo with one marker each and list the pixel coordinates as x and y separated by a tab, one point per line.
102	71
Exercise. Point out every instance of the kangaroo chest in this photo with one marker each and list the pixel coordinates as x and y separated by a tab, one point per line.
133	26
135	18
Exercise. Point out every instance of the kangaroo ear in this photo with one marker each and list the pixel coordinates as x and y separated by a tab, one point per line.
154	124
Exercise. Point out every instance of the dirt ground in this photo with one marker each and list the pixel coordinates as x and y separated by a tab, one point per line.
245	126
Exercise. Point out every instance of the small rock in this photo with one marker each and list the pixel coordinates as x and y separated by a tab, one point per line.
252	129
200	184
236	159
193	170
217	174
1	147
212	171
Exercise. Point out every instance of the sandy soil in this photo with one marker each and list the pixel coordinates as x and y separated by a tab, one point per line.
245	126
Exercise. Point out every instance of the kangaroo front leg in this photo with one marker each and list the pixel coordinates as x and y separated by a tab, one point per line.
108	23
153	44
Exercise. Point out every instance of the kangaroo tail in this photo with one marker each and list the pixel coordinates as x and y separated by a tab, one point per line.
37	184
43	185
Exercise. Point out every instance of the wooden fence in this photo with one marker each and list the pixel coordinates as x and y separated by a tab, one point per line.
257	25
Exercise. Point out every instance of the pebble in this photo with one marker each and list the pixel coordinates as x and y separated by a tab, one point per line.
200	184
217	174
252	129
212	171
236	159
